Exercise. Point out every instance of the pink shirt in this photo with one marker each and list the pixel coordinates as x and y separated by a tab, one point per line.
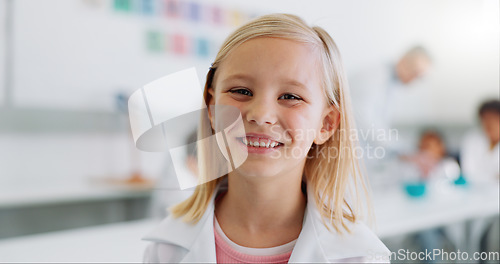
229	252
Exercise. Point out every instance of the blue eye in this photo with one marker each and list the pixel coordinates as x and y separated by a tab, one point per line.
290	97
241	91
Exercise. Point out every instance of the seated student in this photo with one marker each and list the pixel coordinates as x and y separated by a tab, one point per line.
480	150
430	160
431	156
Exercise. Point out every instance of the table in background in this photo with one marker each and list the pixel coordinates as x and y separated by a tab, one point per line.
443	205
30	209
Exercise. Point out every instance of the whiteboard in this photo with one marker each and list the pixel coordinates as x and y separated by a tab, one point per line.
79	54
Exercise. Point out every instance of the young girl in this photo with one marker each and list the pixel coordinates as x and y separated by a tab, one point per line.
288	202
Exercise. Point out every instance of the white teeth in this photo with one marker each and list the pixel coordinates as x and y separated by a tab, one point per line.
261	144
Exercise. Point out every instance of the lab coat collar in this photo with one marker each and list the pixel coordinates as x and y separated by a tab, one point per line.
198	239
315	244
318	244
360	242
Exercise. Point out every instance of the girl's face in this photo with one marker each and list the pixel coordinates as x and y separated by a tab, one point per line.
276	85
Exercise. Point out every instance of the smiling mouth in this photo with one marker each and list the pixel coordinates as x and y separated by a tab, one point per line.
259	142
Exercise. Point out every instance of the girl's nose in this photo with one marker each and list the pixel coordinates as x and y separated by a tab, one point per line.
261	112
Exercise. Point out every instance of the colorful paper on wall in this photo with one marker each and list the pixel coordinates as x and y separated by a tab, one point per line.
180	44
122	5
236	18
182	12
147	7
194	12
155	41
172	8
216	15
186	10
202	49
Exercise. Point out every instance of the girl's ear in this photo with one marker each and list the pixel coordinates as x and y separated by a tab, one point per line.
211	102
331	121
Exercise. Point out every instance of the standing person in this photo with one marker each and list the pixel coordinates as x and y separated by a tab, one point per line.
373	90
374	93
288	202
479	156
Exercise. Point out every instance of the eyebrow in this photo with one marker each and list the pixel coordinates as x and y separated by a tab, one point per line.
295	83
245	77
238	77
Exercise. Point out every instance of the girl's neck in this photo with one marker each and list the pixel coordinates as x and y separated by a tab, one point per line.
262	212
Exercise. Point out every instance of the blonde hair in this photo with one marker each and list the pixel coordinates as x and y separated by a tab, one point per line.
328	176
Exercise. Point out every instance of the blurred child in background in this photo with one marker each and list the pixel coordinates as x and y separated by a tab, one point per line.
479	158
480	149
432	157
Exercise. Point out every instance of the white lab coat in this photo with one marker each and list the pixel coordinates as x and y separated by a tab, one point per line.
180	242
480	164
373	94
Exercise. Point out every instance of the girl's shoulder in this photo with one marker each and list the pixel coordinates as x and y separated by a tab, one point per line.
175	240
360	244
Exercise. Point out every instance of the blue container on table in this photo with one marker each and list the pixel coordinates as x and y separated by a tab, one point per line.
461	180
415	189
